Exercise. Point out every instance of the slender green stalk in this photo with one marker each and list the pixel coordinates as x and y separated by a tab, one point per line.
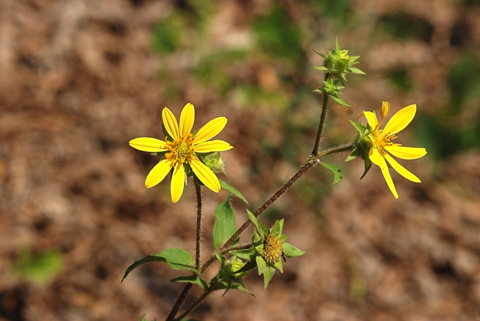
198	191
323	115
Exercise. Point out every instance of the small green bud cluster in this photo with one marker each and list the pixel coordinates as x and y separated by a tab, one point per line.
337	64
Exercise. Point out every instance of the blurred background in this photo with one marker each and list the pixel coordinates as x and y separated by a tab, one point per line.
80	78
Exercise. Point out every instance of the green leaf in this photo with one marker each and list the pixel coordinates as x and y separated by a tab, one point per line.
340	101
259	226
145	319
177	259
233	191
337	173
225	225
244	254
265	269
291	251
353	155
194	279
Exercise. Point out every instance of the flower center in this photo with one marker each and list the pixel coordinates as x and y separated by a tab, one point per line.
381	141
180	150
272	249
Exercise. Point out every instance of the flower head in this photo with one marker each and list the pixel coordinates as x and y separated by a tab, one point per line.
381	142
182	148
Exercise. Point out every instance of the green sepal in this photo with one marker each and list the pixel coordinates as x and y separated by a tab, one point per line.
267	270
340	101
368	165
279	265
277	228
250	265
145	319
194	279
291	251
354	70
361	129
232	190
321	68
168	138
320	54
225	225
355	152
260	228
337	173
177	259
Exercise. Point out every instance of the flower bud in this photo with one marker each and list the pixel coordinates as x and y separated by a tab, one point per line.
215	162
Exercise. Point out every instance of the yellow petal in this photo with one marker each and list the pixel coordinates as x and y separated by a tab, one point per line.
400	120
178	182
158	173
371	119
205	175
406	152
170	123
186	119
212	146
401	170
378	159
209	130
385	109
147	144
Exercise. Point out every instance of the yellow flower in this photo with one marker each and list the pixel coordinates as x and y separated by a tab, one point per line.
382	145
183	150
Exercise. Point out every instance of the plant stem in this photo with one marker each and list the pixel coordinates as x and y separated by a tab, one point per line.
198	191
270	201
179	302
312	160
188	286
320	125
196	303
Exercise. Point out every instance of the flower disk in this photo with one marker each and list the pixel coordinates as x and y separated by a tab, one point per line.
272	249
183	148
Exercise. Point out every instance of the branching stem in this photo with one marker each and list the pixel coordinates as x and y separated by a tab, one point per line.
314	159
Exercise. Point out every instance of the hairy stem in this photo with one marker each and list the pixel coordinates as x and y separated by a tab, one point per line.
188	286
198	191
320	125
270	201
